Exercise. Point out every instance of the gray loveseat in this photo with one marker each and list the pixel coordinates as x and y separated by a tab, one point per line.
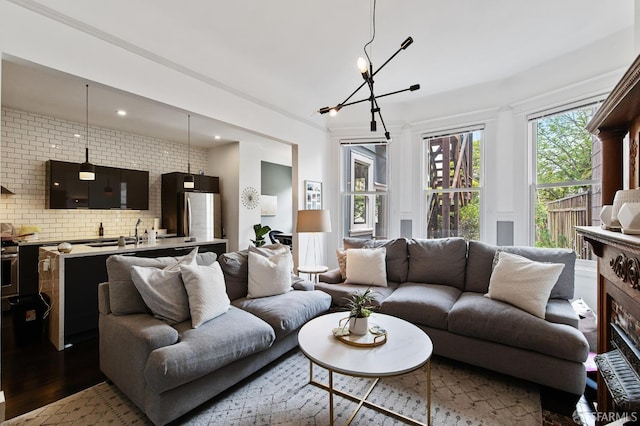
167	370
439	285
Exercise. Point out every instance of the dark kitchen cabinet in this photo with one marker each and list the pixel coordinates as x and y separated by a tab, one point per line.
104	192
66	190
134	187
113	188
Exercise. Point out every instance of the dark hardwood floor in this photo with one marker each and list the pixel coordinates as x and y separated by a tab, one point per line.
34	373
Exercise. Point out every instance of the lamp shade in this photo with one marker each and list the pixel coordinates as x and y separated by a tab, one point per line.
313	221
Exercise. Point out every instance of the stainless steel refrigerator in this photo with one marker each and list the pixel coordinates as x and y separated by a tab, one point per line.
200	215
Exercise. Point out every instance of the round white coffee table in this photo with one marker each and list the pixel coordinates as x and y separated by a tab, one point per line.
407	348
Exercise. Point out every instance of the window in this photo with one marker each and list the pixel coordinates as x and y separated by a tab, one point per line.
364	190
452	183
566	189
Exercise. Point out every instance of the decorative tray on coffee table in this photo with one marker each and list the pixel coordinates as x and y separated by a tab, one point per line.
375	336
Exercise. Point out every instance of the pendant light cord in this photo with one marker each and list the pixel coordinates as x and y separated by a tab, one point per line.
189	141
373	30
87	125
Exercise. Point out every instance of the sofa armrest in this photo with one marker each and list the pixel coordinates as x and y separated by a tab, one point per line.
126	341
332	276
560	311
104	304
299	283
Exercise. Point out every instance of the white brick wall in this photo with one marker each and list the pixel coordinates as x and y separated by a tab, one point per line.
29	140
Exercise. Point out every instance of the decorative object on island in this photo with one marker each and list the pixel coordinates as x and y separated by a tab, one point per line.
313	221
360	308
313	195
260	232
366	69
87	170
189	180
250	197
629	218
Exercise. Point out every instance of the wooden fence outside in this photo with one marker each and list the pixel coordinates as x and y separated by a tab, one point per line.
564	215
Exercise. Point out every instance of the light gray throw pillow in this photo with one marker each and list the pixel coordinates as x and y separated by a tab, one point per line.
163	292
206	292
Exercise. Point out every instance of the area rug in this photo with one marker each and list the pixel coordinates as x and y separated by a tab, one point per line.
280	395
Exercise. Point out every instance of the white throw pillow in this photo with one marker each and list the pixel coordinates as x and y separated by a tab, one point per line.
187	259
206	291
367	266
523	283
163	292
269	276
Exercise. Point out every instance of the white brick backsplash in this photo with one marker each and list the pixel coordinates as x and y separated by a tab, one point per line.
27	141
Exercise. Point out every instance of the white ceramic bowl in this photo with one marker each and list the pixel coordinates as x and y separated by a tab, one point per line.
629	217
624	196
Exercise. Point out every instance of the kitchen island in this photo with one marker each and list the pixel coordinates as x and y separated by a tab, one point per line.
71	280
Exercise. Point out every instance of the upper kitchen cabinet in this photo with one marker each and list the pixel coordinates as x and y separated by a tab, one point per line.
113	188
134	189
66	191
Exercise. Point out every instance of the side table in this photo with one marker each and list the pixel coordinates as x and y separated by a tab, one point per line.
312	271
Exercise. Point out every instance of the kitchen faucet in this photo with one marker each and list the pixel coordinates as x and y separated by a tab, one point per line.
137	235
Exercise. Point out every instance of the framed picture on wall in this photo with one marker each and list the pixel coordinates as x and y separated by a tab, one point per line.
313	195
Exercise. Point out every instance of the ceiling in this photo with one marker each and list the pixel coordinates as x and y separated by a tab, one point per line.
297	56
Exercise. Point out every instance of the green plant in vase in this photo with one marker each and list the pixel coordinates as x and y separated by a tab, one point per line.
260	232
360	305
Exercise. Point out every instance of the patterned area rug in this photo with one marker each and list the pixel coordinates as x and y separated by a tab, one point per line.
280	395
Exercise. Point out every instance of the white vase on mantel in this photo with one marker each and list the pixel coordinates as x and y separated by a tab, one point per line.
358	326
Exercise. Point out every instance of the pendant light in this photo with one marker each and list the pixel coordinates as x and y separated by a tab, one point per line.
189	181
87	170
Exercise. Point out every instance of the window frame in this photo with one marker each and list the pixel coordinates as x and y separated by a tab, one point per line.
348	192
426	191
531	126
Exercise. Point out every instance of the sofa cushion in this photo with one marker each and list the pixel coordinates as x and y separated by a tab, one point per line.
366	266
480	262
163	292
340	291
207	348
235	266
271	275
397	261
523	283
206	292
480	317
123	295
286	312
424	304
438	261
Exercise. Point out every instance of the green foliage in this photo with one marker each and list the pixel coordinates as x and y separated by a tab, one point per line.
260	232
360	303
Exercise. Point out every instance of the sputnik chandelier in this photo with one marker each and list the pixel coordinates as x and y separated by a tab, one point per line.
366	69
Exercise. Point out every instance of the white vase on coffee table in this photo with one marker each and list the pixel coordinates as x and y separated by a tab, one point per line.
358	326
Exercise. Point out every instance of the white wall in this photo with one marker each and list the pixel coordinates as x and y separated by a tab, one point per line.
225	160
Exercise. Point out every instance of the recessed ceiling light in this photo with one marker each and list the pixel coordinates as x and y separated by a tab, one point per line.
121	112
77	135
216	137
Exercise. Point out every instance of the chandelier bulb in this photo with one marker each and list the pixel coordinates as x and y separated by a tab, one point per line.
363	66
333	112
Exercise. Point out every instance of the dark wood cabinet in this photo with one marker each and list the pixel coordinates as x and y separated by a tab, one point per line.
113	188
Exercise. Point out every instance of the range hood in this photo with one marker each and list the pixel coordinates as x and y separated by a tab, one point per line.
4	190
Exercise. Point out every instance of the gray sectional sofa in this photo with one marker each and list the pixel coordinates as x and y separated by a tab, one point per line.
167	370
439	285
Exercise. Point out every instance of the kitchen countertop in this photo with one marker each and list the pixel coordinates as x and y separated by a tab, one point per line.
81	250
38	242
